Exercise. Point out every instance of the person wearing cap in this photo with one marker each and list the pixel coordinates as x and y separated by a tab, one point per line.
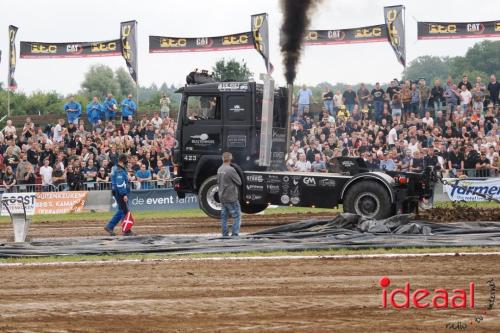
120	188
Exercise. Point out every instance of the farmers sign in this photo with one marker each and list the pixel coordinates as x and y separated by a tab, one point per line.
465	189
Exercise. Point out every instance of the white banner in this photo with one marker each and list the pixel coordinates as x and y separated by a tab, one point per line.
15	201
487	186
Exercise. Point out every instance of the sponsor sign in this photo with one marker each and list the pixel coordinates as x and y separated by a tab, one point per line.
236	141
273	179
161	44
252	187
309	181
44	202
369	34
255	178
488	186
327	183
453	30
233	86
39	50
252	196
273	189
159	200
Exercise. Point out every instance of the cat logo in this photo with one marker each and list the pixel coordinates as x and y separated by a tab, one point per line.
43	48
442	29
475	27
173	42
204	42
74	48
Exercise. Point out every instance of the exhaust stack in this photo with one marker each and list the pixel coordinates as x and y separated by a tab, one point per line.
289	88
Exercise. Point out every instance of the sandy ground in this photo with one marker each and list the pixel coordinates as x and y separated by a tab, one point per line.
149	226
240	296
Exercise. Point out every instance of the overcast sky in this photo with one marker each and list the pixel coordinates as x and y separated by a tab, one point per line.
94	20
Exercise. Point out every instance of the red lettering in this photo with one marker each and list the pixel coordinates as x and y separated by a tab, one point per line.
461	296
417	296
406	294
441	294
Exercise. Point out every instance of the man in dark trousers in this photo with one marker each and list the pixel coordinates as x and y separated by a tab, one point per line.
229	181
120	188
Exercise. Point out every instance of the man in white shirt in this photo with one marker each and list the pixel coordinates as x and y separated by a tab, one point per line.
427	120
46	173
466	97
392	137
59	131
156	121
302	164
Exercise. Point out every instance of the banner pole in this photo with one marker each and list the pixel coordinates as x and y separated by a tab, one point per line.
406	54
137	62
8	100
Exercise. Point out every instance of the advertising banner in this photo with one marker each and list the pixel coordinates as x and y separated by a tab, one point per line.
15	201
60	202
159	200
12	57
396	31
128	37
453	30
488	186
159	44
369	34
260	38
41	50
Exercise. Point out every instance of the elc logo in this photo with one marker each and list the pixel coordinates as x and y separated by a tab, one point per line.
422	298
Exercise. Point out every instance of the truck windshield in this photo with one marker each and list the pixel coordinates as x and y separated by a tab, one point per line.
205	107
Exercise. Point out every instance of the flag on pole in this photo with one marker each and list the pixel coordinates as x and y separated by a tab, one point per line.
260	34
11	82
128	37
396	31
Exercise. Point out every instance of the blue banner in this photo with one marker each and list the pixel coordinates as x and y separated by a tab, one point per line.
159	199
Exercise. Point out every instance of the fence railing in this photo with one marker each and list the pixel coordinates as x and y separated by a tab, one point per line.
86	186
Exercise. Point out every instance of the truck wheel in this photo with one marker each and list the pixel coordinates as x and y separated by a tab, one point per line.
252	209
208	197
368	199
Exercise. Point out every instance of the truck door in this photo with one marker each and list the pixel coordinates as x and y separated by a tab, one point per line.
238	127
201	128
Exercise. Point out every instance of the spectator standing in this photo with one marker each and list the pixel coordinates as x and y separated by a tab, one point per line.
165	106
478	98
94	112
483	166
465	99
28	178
415	99
162	176
9	132
318	165
494	90
363	96
28	130
387	163
22	166
229	182
102	179
90	173
337	101
302	164
465	82
392	90
396	106
73	110
304	99
328	100
58	175
425	95
129	108
349	98
437	93
110	106
46	173
378	101
59	131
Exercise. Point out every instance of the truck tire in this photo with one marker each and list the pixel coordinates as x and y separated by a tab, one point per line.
208	197
252	209
369	199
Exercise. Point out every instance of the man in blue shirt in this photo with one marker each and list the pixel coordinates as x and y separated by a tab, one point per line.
73	110
387	163
304	97
110	106
94	111
128	108
144	176
120	188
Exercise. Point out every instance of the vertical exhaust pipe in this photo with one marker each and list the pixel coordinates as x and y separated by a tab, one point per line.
289	112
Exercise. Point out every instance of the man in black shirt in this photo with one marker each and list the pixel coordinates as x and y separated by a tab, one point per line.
465	82
431	159
328	100
393	89
349	97
494	89
483	166
470	160
378	101
437	97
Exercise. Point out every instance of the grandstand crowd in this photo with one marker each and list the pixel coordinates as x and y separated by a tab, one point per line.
407	126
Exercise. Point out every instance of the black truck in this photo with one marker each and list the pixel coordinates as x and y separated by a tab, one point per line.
231	116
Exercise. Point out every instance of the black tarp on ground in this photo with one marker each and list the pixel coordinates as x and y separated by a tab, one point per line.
344	231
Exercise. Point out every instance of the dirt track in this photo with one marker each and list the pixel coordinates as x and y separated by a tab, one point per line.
198	225
239	296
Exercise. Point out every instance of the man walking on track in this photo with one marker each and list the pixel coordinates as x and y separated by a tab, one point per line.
120	188
229	181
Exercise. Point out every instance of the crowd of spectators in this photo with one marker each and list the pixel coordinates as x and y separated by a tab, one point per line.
407	127
78	155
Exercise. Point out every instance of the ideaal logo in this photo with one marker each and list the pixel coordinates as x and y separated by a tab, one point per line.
439	298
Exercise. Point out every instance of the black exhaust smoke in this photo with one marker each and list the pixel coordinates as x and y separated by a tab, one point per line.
295	22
